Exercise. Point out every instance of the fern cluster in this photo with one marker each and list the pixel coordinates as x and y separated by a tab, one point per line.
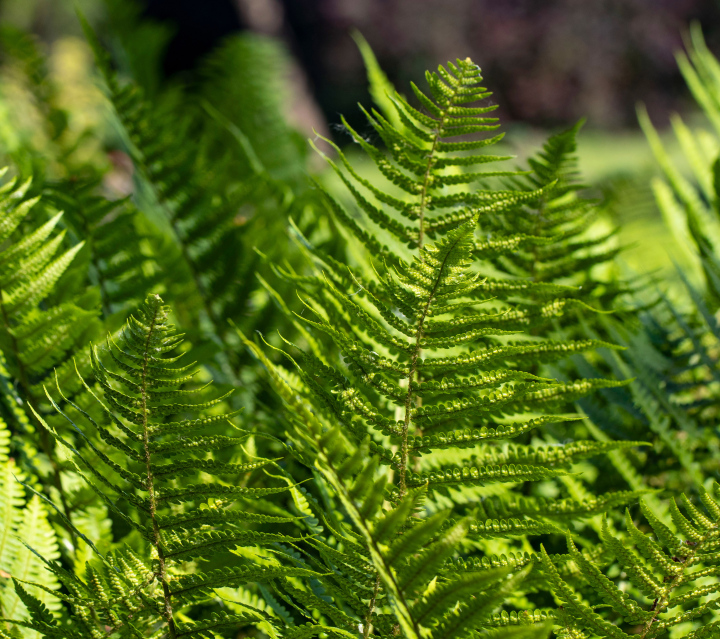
464	397
135	461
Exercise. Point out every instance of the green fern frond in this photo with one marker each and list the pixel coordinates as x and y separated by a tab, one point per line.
38	539
121	265
25	536
572	245
688	201
424	371
671	354
673	577
43	322
556	509
418	469
211	204
141	464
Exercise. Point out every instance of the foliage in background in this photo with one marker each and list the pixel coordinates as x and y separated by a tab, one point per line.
672	351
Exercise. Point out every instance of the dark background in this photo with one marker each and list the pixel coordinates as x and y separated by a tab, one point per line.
549	62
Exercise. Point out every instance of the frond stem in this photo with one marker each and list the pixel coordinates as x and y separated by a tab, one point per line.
662	601
338	484
94	260
367	626
426	181
402	468
162	572
404	449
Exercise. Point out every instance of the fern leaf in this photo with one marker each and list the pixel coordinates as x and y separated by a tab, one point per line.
131	429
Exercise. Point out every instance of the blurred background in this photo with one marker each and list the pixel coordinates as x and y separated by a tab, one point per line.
549	63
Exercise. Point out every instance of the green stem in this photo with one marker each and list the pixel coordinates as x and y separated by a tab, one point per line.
384	571
157	543
662	601
410	400
404	449
367	625
426	182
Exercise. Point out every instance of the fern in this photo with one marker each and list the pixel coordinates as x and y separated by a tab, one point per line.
689	202
71	181
25	535
252	100
424	371
32	265
426	472
558	238
672	350
138	459
123	276
670	579
40	328
663	585
102	278
216	202
22	54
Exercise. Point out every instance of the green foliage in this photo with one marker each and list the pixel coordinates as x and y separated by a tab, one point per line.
119	263
689	203
672	350
672	354
666	580
426	371
45	322
561	236
215	202
134	461
25	537
419	470
32	264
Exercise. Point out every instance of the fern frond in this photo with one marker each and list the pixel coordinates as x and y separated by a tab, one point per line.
25	536
43	323
121	264
424	370
143	464
558	236
676	574
213	203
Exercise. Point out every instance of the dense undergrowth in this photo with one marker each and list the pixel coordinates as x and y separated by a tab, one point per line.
409	396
